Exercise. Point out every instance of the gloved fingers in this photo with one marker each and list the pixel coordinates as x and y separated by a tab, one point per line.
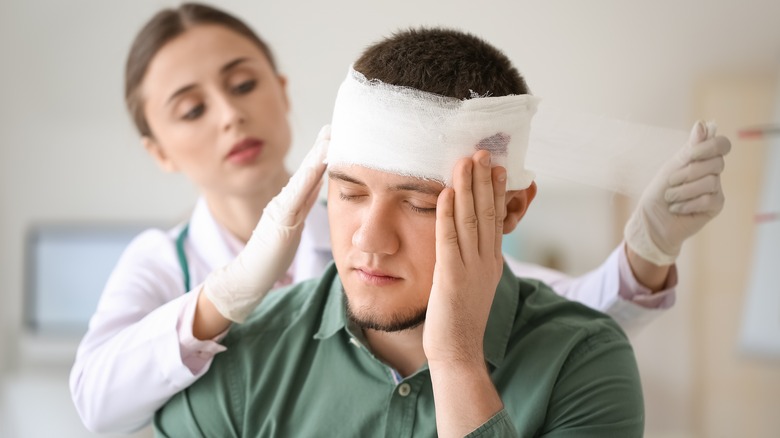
316	155
693	189
312	198
696	170
716	146
710	204
238	287
701	131
291	205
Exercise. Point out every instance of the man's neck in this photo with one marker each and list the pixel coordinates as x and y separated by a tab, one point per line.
401	350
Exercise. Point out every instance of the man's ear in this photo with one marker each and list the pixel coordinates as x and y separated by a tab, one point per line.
159	155
517	202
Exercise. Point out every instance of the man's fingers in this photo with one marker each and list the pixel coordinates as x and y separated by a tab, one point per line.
499	195
484	202
447	249
466	221
697	169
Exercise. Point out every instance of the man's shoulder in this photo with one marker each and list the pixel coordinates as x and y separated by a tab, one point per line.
577	361
542	310
299	306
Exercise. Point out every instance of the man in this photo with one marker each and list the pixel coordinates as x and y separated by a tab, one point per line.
420	329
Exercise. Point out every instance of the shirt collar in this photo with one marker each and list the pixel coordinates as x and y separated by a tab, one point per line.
334	315
497	332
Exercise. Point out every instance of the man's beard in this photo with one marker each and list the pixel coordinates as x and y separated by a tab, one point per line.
396	323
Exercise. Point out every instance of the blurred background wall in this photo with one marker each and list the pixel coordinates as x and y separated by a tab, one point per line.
68	155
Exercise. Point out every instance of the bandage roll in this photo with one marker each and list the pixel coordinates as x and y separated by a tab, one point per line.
599	151
410	132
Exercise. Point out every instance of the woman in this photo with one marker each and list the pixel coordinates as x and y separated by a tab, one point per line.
208	101
205	95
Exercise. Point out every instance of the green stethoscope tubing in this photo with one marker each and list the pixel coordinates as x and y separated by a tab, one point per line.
185	268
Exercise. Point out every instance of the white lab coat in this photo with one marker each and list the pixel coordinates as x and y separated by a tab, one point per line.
139	349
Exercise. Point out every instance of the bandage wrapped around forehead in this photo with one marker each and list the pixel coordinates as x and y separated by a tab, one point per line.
410	132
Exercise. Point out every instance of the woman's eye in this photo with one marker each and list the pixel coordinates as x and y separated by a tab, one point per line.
245	87
194	113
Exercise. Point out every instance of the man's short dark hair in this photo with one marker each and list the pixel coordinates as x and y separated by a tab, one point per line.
442	61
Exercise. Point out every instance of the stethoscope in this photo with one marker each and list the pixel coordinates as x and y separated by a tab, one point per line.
185	267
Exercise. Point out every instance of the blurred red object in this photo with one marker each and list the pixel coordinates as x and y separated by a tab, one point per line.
759	131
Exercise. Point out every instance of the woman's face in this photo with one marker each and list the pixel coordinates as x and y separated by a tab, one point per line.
217	111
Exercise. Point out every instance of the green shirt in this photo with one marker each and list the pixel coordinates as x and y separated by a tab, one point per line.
295	369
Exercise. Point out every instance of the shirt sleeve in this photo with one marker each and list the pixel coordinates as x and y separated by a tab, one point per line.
215	407
196	354
499	425
184	417
611	288
134	357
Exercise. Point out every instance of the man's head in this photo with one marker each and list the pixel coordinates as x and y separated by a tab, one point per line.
442	61
383	221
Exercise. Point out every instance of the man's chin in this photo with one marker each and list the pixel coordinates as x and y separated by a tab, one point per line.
396	322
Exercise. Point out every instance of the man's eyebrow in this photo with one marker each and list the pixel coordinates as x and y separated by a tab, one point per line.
425	189
341	176
225	68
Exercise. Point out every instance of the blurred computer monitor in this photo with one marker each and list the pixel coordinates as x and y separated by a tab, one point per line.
67	267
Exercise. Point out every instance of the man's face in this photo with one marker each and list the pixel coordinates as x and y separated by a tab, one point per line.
382	231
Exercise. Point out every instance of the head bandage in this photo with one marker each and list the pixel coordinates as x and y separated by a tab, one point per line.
410	132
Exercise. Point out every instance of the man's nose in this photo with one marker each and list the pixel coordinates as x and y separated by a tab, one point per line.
377	233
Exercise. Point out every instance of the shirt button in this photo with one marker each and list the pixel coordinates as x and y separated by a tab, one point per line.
404	389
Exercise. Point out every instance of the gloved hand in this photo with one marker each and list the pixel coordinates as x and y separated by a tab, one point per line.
682	197
238	287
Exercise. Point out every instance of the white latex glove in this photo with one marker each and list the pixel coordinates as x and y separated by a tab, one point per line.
682	197
238	288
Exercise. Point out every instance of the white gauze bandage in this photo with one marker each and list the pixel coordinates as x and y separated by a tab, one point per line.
410	132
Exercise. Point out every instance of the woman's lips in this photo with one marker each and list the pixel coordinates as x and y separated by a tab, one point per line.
245	151
376	278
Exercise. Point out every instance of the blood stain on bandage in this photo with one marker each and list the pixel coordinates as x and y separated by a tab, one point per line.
496	144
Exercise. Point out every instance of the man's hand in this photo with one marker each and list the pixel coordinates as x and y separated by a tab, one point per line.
682	197
236	289
469	229
469	222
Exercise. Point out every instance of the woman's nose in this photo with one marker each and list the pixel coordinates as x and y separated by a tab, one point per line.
233	115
